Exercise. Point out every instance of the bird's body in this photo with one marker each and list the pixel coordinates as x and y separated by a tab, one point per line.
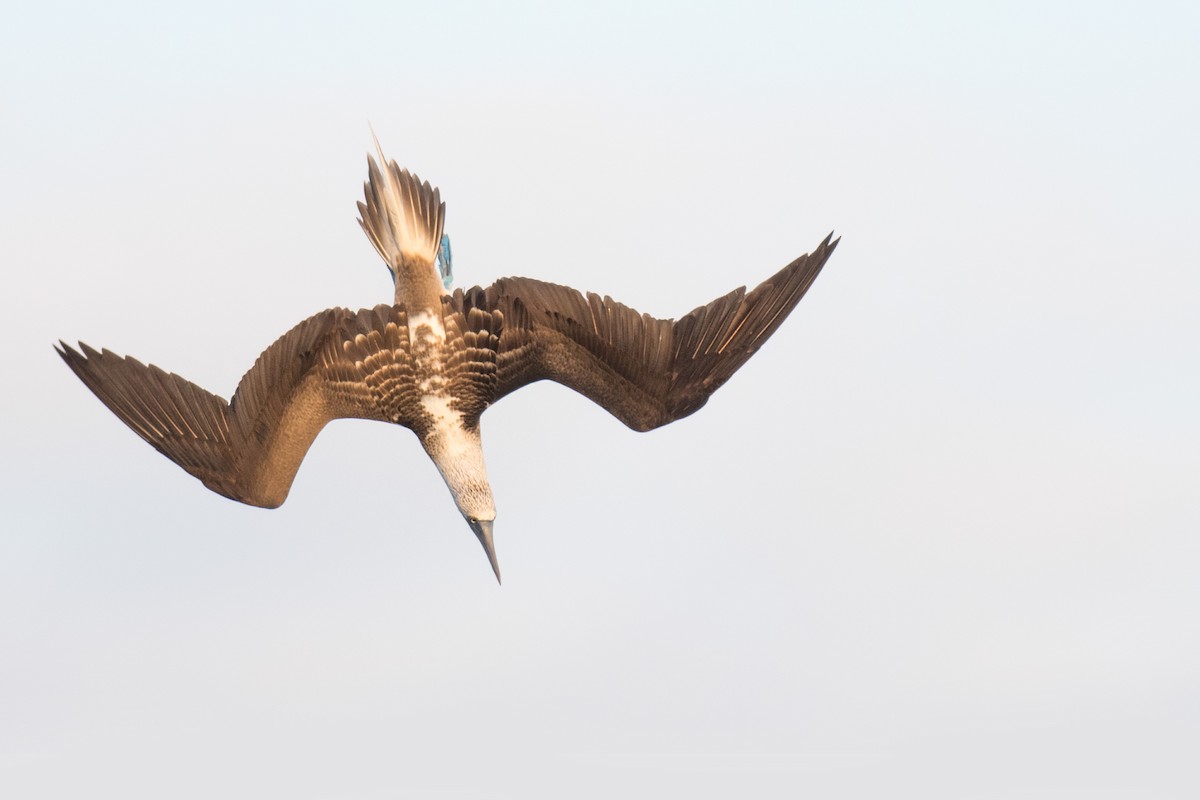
433	361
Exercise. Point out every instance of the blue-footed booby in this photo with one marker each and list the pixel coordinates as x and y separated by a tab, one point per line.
434	360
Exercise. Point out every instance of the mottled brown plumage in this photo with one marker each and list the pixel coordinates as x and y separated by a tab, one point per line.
435	365
645	371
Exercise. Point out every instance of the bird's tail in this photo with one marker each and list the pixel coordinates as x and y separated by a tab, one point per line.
402	215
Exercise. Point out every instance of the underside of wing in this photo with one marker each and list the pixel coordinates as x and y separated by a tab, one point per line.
178	419
645	371
335	364
714	341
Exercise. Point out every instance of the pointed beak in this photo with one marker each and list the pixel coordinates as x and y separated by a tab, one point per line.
483	530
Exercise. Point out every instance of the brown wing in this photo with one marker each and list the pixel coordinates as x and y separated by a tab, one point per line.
472	341
645	371
335	364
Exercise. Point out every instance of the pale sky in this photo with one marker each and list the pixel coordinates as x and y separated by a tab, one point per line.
938	539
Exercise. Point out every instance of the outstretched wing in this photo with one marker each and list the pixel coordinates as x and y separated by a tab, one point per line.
645	371
335	364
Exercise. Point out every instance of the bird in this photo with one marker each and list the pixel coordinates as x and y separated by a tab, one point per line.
434	360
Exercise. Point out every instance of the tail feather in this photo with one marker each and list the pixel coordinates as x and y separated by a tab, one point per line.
402	216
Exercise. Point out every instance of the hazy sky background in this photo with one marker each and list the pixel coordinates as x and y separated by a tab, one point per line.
937	540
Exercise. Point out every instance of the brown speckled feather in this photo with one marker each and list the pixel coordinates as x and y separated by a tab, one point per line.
473	339
335	364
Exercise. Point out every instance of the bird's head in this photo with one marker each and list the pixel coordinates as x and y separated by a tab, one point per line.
458	454
473	495
483	531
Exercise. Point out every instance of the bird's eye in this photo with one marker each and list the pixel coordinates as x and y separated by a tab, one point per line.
472	520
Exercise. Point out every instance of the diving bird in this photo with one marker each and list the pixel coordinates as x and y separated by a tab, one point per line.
434	360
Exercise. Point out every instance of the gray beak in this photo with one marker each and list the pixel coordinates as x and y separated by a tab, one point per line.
483	530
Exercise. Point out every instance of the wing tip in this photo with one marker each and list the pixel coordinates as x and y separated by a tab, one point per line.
75	358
